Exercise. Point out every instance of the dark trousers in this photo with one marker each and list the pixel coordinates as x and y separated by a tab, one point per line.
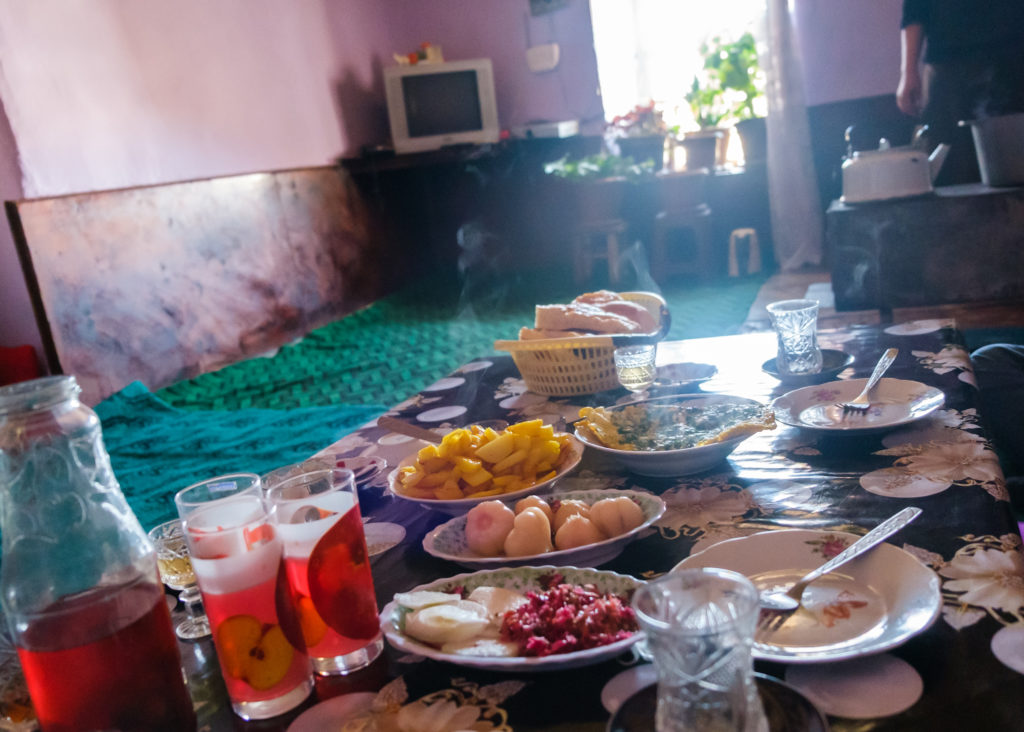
999	369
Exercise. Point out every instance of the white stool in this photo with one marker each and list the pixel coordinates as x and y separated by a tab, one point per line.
754	257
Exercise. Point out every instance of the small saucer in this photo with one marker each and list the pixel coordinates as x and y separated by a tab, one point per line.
682	377
832	362
786	708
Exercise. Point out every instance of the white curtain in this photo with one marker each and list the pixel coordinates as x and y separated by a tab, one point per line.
797	219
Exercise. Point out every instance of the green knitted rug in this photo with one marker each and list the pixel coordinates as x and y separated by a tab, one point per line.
392	349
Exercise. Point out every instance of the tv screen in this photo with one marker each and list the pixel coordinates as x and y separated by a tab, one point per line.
440	104
432	105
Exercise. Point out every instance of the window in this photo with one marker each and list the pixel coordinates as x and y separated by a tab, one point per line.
650	49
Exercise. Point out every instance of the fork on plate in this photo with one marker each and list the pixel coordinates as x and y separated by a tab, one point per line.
777	606
860	403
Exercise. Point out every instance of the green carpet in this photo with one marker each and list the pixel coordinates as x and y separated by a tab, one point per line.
392	349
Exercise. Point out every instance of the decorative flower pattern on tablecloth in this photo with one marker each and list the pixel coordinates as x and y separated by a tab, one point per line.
936	455
465	706
920	327
693	506
984	578
521	403
952	357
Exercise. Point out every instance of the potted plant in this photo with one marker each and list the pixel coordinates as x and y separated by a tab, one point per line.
729	90
601	182
640	134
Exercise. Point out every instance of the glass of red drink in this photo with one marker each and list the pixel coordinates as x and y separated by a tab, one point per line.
237	559
328	567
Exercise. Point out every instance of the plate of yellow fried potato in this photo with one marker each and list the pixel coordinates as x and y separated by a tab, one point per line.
474	464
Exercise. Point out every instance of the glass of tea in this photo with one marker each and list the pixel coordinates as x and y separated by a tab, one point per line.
237	556
634	366
175	566
328	567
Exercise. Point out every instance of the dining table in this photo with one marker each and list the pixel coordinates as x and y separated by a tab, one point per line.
960	666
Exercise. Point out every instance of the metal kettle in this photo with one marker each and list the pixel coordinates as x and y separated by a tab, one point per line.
890	172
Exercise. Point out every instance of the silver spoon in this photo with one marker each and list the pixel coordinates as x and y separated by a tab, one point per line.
775	599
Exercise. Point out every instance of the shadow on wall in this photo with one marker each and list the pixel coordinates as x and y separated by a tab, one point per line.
367	122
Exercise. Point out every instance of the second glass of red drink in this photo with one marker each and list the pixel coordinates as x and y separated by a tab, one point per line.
328	567
237	558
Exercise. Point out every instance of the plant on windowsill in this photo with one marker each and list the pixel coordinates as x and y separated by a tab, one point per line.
601	182
728	91
640	134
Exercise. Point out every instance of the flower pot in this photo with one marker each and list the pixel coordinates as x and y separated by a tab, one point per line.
754	137
704	149
600	200
642	149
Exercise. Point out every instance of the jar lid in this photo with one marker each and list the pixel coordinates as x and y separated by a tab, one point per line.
26	396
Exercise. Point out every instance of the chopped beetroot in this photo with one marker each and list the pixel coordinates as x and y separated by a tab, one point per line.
566	618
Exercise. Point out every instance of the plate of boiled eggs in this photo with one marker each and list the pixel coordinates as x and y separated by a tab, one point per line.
584	528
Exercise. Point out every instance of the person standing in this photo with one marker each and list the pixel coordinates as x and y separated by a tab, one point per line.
973	66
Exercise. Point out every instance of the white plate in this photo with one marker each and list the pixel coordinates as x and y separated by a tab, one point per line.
333	713
888	595
671	463
895	402
520	579
448	541
461	505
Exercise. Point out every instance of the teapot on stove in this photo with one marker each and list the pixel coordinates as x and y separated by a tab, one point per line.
890	172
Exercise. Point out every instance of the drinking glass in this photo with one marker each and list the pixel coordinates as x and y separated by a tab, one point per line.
634	365
237	558
175	567
328	567
796	325
700	630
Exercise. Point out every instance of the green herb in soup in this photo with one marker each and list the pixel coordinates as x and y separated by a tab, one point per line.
675	426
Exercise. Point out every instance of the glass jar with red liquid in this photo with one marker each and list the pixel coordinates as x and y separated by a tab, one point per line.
78	581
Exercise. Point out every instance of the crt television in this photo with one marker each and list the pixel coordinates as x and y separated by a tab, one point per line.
432	105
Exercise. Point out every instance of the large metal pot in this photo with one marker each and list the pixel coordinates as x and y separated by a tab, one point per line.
999	143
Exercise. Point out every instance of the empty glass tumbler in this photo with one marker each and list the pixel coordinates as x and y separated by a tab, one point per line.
796	325
700	630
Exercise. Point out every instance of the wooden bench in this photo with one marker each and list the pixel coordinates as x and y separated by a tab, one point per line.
162	283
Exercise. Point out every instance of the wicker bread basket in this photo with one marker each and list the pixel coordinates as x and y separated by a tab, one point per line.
584	365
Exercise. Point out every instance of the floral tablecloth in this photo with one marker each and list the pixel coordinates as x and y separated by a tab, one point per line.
968	664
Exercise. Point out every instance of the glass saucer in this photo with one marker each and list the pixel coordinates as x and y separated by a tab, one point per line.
786	708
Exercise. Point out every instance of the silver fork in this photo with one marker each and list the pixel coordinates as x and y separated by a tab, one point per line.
860	403
777	606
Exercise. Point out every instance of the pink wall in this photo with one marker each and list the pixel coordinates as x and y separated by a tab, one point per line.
851	49
117	93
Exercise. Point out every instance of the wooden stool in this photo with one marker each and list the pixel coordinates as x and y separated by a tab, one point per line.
754	256
595	240
695	221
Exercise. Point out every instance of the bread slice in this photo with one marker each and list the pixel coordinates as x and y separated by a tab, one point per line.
580	316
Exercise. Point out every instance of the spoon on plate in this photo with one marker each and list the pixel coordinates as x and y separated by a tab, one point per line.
409	430
789	599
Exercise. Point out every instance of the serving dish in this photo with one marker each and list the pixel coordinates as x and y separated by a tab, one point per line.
459	506
872	604
682	377
520	579
448	541
670	463
832	363
895	402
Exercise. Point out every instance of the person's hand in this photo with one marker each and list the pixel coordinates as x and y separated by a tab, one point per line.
909	93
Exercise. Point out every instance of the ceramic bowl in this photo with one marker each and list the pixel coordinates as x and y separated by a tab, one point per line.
460	506
671	463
